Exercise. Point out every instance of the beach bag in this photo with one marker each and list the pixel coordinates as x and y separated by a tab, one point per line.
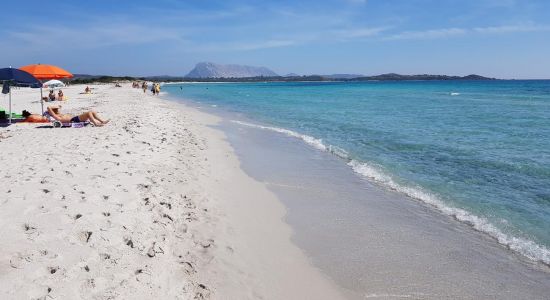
6	88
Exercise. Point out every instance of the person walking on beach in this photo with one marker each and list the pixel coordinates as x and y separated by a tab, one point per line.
144	87
157	88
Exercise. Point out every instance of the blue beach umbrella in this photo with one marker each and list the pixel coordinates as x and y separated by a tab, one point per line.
10	76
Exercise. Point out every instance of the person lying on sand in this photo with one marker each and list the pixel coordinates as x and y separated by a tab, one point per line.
34	118
67	118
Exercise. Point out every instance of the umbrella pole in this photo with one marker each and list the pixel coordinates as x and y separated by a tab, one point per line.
42	100
10	105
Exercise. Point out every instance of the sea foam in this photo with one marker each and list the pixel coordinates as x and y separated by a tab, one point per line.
523	246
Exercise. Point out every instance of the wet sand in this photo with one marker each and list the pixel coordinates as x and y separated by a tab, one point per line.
374	242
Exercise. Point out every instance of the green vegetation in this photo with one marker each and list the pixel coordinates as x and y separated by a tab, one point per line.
88	79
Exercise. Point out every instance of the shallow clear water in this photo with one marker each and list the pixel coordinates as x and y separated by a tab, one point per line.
476	150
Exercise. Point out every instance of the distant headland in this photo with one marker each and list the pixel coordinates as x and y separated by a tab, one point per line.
211	72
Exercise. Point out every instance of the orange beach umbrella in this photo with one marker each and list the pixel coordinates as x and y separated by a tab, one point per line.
42	72
46	71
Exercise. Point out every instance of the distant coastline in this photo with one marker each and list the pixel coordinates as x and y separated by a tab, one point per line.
86	79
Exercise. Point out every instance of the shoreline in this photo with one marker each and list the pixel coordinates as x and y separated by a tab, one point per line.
153	204
447	242
529	249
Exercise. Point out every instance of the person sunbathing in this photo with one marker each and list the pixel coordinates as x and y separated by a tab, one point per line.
34	118
68	118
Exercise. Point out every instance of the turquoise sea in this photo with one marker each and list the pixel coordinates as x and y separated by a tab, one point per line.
475	150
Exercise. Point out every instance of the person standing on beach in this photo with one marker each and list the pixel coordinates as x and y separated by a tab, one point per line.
157	88
144	87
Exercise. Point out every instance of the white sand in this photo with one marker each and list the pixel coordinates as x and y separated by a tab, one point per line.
154	204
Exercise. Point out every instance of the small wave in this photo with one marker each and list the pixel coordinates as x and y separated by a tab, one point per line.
455	94
526	247
316	143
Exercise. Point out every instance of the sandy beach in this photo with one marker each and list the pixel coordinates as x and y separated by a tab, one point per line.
154	204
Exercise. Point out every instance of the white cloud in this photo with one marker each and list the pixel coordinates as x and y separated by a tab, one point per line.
359	32
512	29
261	45
454	32
428	34
93	36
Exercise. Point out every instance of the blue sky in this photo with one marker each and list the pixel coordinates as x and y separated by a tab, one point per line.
499	38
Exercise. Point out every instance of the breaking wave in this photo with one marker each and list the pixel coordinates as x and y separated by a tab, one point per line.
524	246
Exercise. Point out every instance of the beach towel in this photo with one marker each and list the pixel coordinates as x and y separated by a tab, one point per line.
57	124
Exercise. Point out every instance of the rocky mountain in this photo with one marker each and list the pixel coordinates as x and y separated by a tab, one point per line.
212	70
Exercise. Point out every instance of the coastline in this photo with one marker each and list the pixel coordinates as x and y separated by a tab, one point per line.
373	241
153	204
457	202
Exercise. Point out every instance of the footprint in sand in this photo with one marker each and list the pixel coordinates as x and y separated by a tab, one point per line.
85	236
18	260
166	204
30	229
128	241
53	270
188	267
154	250
202	292
207	244
180	229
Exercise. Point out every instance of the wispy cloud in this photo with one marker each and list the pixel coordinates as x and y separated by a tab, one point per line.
428	34
512	29
93	36
358	32
258	45
298	39
456	32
